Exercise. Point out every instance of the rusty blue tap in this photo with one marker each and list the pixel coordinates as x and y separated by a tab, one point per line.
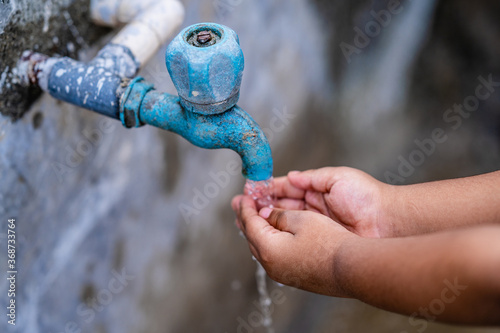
205	63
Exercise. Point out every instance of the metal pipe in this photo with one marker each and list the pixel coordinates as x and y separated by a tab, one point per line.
233	129
86	86
205	63
149	23
97	86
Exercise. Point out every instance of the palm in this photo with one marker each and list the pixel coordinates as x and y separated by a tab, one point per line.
353	201
348	196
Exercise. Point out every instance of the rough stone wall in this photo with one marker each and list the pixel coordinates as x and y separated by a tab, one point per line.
52	27
103	244
96	203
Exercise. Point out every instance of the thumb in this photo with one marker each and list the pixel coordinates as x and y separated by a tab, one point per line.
286	220
319	180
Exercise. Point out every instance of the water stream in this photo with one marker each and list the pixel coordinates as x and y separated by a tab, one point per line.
263	194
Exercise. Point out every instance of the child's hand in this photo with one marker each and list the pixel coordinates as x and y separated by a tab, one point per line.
374	209
303	246
348	196
296	248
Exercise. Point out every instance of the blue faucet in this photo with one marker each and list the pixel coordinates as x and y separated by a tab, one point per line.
205	63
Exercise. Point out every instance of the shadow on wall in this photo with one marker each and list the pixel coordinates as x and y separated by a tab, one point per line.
403	71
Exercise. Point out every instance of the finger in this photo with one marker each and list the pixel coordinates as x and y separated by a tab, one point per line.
317	201
237	223
285	220
291	204
320	180
252	248
311	208
235	203
254	251
259	233
248	215
284	189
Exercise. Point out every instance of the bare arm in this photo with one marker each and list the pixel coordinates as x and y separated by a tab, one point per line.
450	276
371	208
442	205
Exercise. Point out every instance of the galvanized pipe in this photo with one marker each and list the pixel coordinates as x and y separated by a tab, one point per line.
233	129
149	23
205	63
97	86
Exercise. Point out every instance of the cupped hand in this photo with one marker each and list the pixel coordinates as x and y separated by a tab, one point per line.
351	197
296	248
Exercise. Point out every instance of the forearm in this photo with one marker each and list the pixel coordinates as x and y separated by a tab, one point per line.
451	276
448	204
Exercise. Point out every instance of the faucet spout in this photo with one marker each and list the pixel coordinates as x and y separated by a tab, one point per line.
205	62
233	129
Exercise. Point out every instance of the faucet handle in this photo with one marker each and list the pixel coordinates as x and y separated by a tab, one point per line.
206	64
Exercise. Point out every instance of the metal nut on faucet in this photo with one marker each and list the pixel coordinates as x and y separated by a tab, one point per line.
206	64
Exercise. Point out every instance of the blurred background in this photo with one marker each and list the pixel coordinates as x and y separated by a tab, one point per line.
120	234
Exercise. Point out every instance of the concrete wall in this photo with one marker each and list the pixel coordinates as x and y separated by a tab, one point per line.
103	243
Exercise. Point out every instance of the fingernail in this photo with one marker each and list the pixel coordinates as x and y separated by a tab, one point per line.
265	212
294	172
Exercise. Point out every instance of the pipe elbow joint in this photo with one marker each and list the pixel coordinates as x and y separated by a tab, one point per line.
233	129
249	141
206	64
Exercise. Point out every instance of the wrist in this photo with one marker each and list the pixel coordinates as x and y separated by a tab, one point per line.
391	211
401	212
343	266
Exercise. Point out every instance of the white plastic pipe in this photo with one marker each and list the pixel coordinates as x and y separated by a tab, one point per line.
149	23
